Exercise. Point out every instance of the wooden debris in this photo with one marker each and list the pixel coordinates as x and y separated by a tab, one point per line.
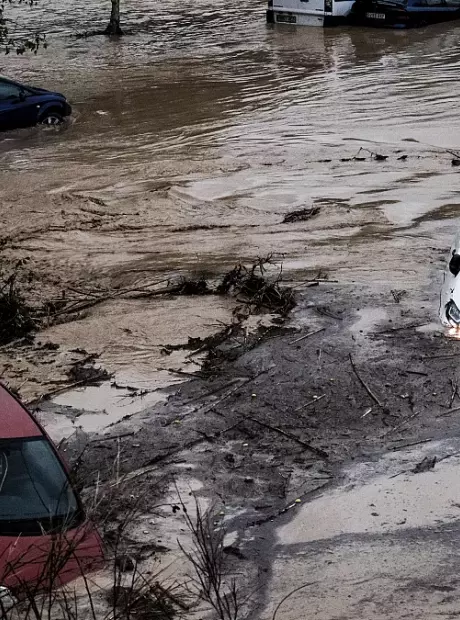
318	451
416	372
425	465
401	424
442	415
307	335
454	393
311	402
365	386
300	215
412	443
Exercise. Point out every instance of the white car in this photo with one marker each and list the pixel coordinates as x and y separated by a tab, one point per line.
309	12
449	310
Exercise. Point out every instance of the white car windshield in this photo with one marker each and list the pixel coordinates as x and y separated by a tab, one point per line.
35	493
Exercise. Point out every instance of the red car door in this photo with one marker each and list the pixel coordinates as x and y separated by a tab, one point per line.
45	537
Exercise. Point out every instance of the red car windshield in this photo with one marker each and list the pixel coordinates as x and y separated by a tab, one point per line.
35	494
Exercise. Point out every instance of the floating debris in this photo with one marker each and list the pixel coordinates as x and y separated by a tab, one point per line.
301	215
426	464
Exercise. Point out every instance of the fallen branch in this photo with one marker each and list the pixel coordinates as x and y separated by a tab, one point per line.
398	426
183	373
442	415
454	393
315	282
283	511
442	356
365	386
214	391
190	444
307	335
210	407
291	593
326	312
67	387
416	372
412	443
112	437
311	402
318	451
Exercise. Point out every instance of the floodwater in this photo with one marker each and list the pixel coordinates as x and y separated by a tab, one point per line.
194	135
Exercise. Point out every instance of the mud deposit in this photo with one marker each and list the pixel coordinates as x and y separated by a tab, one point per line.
207	139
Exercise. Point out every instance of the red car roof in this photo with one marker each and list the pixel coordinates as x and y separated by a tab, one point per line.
15	420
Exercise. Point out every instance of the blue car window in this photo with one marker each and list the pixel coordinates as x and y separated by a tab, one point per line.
8	91
429	3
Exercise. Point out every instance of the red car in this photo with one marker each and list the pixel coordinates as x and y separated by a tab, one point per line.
46	539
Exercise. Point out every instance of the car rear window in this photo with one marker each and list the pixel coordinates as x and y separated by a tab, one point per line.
35	493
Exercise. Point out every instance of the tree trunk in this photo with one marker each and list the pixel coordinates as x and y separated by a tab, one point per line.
114	24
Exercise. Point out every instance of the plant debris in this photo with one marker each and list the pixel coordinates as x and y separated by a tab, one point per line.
301	215
85	372
193	287
426	464
17	317
255	291
151	603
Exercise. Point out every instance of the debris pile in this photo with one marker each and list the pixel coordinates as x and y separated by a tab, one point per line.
256	292
17	317
300	215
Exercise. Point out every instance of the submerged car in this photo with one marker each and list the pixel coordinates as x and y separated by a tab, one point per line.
46	539
308	12
449	311
24	106
403	13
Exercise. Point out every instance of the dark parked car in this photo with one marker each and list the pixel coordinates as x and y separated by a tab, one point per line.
403	13
23	106
45	535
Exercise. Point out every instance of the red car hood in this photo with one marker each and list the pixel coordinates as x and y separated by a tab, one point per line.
50	560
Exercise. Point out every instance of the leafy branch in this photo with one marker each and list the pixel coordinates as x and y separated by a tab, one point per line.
24	42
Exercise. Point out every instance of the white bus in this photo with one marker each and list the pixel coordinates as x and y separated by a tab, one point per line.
309	12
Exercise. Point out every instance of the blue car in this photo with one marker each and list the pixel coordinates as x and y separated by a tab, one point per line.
403	13
24	106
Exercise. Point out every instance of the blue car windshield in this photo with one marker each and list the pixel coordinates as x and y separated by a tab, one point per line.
34	488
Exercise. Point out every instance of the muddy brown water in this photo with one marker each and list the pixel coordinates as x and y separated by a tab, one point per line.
205	116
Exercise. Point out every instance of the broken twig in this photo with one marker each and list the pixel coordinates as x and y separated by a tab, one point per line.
307	335
416	372
442	415
311	402
318	451
412	443
365	386
240	384
283	600
398	426
454	393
